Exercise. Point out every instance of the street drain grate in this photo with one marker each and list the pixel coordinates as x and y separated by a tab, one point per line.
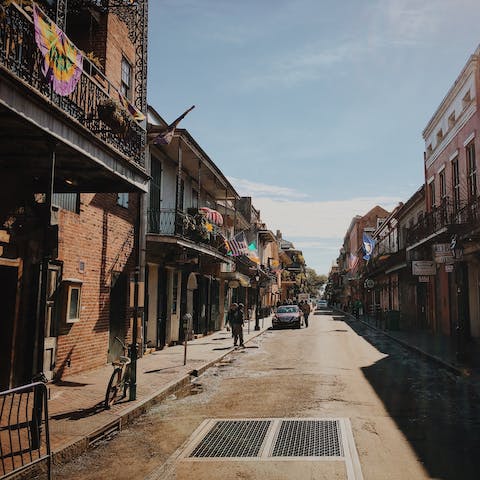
233	438
308	438
317	447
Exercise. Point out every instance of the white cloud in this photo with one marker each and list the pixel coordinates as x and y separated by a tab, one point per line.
259	190
296	216
317	219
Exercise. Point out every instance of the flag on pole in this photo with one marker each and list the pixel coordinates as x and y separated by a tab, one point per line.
165	134
238	245
353	261
368	246
136	114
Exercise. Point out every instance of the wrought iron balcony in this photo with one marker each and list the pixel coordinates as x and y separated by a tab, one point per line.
173	222
454	219
20	57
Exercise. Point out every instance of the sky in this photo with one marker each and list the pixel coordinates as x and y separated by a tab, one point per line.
315	108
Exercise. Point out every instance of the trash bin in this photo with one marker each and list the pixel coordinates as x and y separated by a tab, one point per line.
393	320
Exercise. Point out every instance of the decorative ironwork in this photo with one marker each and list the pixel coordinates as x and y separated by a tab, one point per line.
456	220
168	221
19	54
61	16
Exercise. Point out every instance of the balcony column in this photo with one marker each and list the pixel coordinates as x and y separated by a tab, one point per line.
179	175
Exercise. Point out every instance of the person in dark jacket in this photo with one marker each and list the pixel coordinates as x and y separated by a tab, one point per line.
306	312
235	319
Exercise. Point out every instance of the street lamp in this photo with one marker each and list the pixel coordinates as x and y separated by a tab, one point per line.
257	310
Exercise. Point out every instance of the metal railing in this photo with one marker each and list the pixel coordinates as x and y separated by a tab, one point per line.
168	221
20	56
24	432
456	217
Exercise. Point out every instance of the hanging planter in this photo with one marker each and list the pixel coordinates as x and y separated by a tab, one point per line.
113	115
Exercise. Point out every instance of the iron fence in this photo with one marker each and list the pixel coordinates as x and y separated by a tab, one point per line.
24	432
19	55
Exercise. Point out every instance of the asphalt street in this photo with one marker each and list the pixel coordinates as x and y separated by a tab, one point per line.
410	418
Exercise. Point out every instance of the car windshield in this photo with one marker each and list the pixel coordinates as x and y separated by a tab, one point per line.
292	309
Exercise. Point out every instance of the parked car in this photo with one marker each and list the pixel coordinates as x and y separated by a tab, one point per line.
287	316
321	304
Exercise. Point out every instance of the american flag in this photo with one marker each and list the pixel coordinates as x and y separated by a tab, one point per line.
353	261
238	245
165	134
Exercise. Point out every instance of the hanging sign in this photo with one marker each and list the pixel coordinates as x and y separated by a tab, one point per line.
442	253
423	267
449	268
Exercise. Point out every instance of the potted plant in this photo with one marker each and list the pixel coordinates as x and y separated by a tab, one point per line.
114	115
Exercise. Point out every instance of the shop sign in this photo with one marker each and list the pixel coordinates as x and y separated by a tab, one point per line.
442	253
449	268
424	267
423	278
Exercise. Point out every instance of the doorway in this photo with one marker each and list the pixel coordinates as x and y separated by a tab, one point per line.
9	280
118	307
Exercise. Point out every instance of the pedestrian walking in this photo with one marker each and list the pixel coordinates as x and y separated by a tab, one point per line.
235	319
306	312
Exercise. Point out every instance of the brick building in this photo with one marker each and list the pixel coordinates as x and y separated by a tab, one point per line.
448	234
72	174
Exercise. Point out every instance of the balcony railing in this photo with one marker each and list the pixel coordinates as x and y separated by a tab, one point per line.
191	227
20	56
456	219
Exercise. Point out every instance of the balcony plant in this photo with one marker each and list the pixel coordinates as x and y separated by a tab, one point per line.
114	115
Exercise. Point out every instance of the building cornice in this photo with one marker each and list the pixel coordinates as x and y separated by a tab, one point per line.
465	74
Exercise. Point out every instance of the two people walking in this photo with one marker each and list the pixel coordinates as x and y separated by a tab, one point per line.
235	319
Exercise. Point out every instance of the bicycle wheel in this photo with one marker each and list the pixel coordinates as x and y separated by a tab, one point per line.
113	388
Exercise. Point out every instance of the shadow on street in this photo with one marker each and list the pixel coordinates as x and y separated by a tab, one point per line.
438	413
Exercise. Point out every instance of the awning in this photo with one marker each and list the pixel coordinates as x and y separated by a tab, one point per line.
242	280
212	215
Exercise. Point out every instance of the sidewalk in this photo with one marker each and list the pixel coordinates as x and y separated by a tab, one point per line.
77	416
438	348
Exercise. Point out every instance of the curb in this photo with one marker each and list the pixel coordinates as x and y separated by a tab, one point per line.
78	447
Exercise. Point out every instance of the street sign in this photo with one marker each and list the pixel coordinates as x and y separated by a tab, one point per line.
442	253
424	267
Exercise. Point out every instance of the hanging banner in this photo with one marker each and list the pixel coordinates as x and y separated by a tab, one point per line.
62	60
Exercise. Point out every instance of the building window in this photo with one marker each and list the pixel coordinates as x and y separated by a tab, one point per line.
471	171
126	80
73	295
439	136
194	198
67	201
122	199
451	120
443	187
431	191
466	100
456	184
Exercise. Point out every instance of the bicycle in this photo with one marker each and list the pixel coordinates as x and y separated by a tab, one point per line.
119	381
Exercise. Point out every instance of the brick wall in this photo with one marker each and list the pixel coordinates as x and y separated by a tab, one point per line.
101	236
118	45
